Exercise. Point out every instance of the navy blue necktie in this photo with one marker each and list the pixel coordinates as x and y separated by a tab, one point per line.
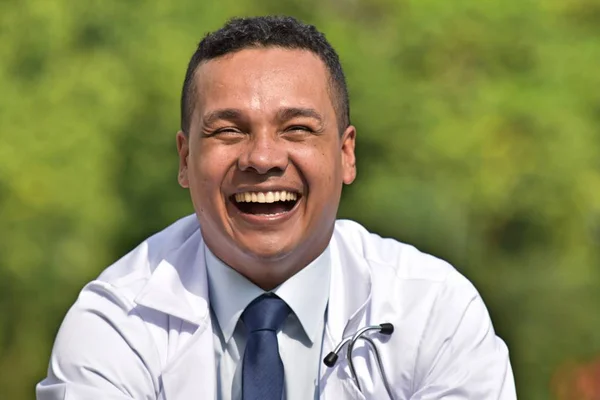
262	369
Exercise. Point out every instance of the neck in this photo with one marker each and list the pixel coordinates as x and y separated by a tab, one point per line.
268	273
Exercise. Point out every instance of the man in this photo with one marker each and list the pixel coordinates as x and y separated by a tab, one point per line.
244	299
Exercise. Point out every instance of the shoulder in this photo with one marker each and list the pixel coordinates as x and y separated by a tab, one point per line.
390	256
429	302
131	271
411	283
105	331
113	293
116	288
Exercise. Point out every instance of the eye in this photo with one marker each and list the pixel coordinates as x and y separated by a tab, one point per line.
228	134
298	133
302	128
228	131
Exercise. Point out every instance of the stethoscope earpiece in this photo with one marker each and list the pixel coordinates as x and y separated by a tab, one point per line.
330	359
386	328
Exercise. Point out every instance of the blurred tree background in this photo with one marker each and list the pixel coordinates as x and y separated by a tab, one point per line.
479	142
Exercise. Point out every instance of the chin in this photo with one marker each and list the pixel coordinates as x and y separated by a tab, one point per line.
267	252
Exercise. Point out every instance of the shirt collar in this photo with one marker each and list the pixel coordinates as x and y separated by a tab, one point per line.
306	293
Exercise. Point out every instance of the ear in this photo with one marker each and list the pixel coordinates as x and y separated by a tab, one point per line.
348	156
183	148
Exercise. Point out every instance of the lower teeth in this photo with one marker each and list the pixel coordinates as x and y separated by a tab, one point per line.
266	208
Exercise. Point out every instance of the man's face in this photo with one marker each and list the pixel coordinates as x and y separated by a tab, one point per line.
264	160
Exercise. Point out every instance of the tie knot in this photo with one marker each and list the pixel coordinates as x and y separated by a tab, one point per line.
267	312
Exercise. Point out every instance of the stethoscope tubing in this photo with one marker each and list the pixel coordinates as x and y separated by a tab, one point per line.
331	359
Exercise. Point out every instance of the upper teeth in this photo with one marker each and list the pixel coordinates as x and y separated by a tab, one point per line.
265	197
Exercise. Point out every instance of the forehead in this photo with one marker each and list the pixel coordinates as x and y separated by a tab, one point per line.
263	78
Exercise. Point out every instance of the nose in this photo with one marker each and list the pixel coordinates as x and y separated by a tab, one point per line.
264	153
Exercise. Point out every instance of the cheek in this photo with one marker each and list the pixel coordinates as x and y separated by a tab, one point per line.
209	169
321	167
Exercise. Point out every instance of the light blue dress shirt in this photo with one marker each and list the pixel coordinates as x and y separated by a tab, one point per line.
300	339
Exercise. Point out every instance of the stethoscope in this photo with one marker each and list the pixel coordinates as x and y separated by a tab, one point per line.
385	329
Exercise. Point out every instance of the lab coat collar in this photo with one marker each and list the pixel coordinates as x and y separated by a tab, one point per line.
230	293
350	294
178	286
350	290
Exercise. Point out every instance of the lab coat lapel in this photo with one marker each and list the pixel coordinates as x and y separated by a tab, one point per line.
349	296
179	287
192	374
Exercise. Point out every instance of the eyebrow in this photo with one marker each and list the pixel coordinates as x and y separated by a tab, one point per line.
227	114
283	115
294	112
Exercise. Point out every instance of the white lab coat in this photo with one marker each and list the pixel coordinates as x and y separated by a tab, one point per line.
143	329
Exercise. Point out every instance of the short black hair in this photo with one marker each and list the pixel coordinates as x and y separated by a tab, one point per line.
267	31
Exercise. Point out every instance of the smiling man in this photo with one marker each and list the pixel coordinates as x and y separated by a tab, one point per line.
265	156
244	299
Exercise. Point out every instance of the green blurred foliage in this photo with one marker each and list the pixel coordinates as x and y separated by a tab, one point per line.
478	141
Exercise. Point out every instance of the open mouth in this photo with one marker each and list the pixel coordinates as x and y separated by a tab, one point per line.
265	203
